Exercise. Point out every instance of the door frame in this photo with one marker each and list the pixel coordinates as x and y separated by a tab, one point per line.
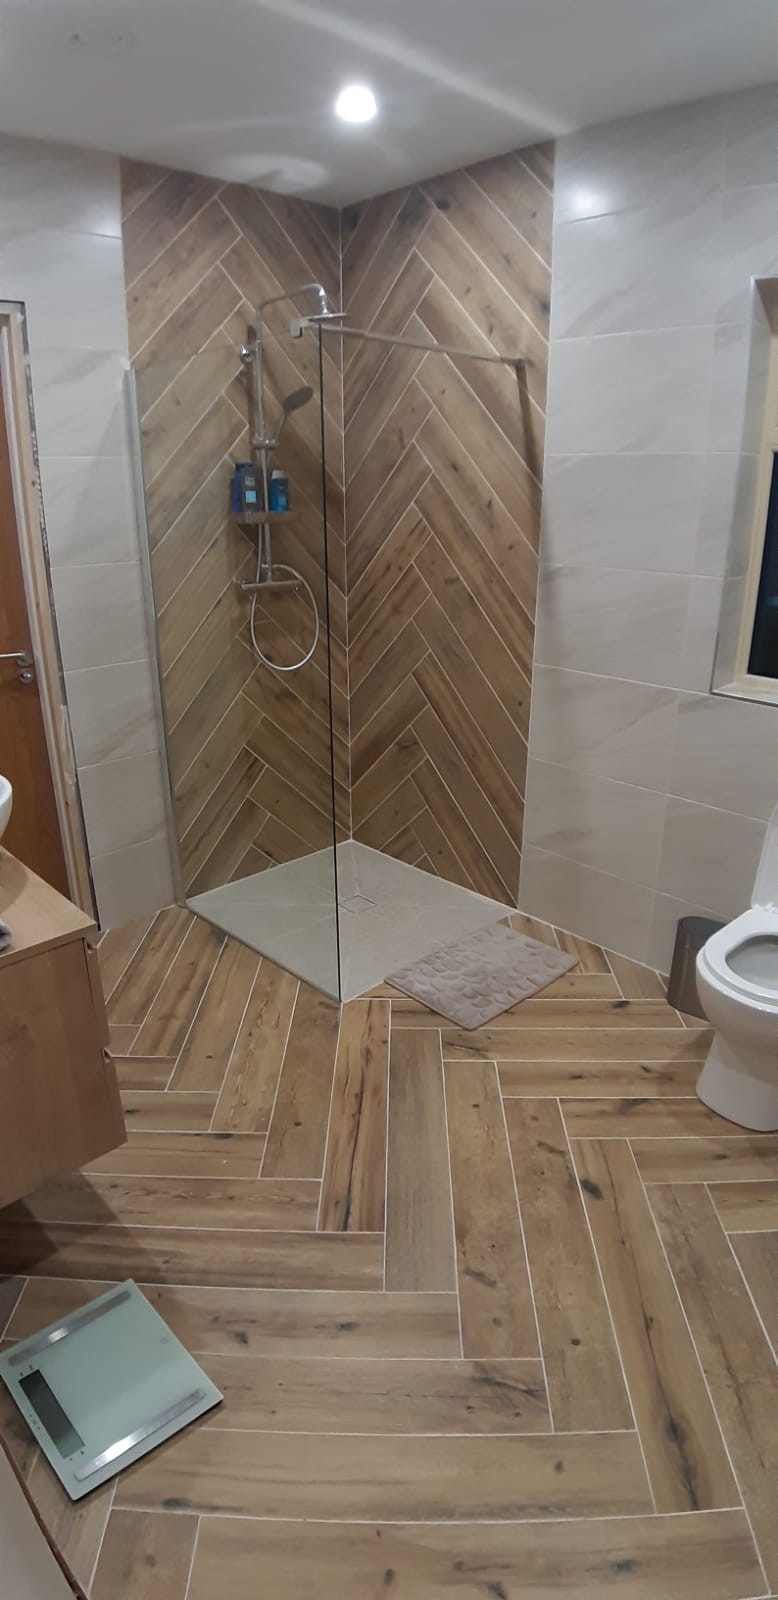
33	546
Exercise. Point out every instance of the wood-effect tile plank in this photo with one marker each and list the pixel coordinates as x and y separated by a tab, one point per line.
419	1224
297	1131
304	1323
736	1358
746	1207
620	1080
644	1117
495	1296
183	1202
669	1045
379	1397
354	1182
220	1256
203	1060
697	1557
738	1159
685	1456
171	1013
183	1155
247	1094
140	979
153	1110
585	1385
418	1478
758	1257
145	1557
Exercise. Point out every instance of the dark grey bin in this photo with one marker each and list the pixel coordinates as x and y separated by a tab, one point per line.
692	934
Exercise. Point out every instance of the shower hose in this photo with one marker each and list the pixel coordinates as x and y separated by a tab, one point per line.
298	577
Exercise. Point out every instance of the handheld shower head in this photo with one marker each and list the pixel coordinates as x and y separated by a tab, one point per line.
298	398
292	402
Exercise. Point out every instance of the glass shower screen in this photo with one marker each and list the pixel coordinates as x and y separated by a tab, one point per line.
243	585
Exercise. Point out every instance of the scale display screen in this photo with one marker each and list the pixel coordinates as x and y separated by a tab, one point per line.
103	1386
50	1413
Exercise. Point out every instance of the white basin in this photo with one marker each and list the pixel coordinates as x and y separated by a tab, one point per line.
6	804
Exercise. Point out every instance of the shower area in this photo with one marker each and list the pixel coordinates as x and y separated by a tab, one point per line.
341	513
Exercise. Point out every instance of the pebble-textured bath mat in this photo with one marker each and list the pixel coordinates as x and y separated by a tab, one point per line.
478	977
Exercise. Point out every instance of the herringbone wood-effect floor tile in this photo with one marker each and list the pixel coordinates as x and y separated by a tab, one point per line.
492	1313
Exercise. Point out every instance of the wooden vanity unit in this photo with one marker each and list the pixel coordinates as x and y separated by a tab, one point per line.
59	1099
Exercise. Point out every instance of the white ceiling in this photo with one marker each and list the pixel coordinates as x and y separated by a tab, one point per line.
244	88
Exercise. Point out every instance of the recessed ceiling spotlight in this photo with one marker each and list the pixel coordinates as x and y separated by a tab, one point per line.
100	41
356	103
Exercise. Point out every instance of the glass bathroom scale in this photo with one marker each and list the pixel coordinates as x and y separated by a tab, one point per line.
103	1386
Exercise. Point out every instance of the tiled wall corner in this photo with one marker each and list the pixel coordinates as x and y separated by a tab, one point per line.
647	797
61	255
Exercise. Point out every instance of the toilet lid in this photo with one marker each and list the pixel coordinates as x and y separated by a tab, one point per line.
756	960
766	881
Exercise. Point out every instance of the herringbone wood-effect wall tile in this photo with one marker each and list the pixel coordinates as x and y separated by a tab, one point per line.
443	467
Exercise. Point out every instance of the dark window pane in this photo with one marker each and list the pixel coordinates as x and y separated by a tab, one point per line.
763	659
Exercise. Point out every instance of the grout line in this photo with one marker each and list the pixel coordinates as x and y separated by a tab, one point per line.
771	1347
225	1074
165	975
130	284
442	1522
101	1540
194	1553
455	1252
125	215
701	1365
130	958
292	1014
606	1300
14	1308
187	1035
522	1235
222	395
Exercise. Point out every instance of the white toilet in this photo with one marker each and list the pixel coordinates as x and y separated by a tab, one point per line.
737	981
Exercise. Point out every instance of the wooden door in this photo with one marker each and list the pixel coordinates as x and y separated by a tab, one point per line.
33	833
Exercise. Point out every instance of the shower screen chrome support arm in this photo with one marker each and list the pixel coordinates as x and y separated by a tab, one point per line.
328	321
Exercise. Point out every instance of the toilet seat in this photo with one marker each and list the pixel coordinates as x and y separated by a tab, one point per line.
761	922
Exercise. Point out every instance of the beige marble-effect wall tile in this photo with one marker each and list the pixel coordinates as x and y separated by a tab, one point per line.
128	882
665	915
726	754
699	646
733	593
123	802
673	155
112	711
613	827
750	124
79	401
619	624
644	392
654	266
724	533
89	507
586	902
632	511
100	615
35	263
59	187
606	726
709	856
728	420
749	244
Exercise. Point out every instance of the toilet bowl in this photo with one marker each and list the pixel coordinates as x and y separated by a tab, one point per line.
737	982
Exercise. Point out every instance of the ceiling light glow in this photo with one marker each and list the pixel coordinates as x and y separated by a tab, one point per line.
356	103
